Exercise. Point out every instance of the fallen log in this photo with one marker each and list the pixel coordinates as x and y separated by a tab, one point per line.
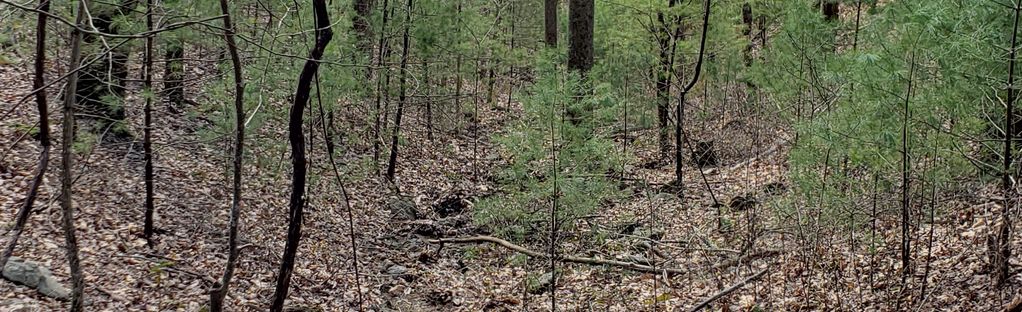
572	259
729	290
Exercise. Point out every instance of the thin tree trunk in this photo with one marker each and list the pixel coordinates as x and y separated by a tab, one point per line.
679	112
858	15
147	143
429	102
219	291
295	136
511	66
667	40
328	132
1002	255
402	97
66	158
905	185
747	32
458	81
44	133
929	242
379	86
549	22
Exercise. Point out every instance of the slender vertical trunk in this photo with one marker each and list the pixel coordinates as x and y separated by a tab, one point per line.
747	32
381	58
492	62
429	102
147	143
458	81
219	291
491	80
761	21
511	67
554	203
44	133
858	15
550	22
66	159
475	120
680	111
297	140
328	132
458	85
667	41
1002	255
906	260
402	97
929	242
873	233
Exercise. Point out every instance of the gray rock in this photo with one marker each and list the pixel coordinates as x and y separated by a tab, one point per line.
18	305
653	234
666	197
397	270
541	284
33	275
636	259
402	209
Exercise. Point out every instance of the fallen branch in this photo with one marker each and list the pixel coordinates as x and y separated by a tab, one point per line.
776	145
592	261
729	290
1014	306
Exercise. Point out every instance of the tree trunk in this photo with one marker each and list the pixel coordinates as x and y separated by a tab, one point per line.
550	22
747	32
219	291
105	80
360	24
429	102
173	76
580	18
44	133
1002	254
511	67
147	143
295	136
831	10
666	41
66	158
906	260
680	111
381	58
402	97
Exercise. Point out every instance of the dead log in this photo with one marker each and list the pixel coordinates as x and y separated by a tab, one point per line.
573	259
729	290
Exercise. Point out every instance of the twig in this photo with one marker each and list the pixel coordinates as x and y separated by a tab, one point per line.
729	290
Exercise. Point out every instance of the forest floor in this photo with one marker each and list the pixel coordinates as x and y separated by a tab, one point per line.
807	268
